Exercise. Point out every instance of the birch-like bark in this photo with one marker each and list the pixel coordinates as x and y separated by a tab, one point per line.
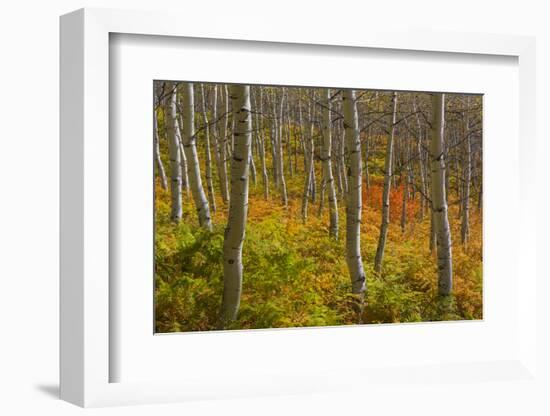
288	139
238	206
280	155
353	194
407	184
273	130
183	159
190	149
367	175
388	173
465	226
261	137
342	164
172	133
208	157
423	198
326	153
159	167
252	168
439	202
273	147
222	149
339	180
309	164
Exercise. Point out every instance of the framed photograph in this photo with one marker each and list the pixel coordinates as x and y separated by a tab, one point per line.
288	212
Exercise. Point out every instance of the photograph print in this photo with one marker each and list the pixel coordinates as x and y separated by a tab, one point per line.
285	206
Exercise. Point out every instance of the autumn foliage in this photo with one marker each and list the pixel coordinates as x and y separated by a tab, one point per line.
294	275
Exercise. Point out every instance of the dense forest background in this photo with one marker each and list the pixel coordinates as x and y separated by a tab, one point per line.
294	193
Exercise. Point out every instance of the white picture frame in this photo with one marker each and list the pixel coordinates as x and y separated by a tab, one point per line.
86	356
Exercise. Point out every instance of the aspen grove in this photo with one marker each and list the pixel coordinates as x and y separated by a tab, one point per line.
296	206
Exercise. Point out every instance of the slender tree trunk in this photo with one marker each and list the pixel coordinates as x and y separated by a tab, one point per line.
260	127
183	159
367	176
338	167
406	185
190	149
172	133
222	149
280	154
238	207
288	139
302	135
423	186
273	145
326	153
465	227
313	181
217	146
439	202
342	164
159	167
252	168
353	195
309	165
208	157
388	173
183	162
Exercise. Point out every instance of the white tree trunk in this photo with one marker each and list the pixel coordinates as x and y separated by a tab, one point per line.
279	149
222	149
190	149
343	162
172	133
386	192
337	167
353	194
467	163
208	158
423	187
183	159
309	163
159	167
261	137
326	154
215	130
439	202
252	168
238	206
367	176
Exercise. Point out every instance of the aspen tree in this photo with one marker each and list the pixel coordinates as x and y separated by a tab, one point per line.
388	173
279	150
238	205
467	160
353	194
407	184
190	149
439	202
342	161
208	157
172	134
159	167
423	186
215	130
367	175
328	179
309	164
265	177
222	148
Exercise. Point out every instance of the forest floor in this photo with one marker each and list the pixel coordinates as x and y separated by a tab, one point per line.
295	275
